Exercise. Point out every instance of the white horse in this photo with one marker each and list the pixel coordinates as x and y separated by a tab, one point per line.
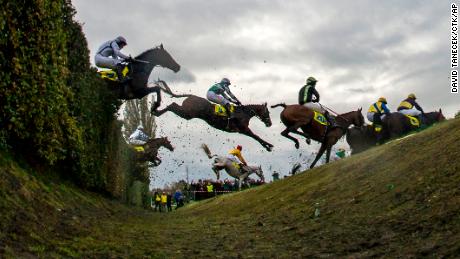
232	168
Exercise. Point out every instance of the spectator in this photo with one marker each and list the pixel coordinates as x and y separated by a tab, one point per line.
168	201
164	200
157	199
178	198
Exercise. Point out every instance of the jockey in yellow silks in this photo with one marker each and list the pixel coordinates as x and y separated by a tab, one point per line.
410	107
235	156
377	111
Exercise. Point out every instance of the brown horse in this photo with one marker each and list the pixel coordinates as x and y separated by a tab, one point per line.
397	124
197	107
139	72
298	116
151	150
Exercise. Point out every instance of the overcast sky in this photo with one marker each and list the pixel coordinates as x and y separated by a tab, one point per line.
358	50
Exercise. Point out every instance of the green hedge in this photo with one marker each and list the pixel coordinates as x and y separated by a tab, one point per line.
54	110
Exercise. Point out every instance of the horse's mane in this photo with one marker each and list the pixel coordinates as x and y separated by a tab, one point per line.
149	52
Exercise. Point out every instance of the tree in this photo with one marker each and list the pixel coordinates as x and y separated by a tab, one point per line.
138	112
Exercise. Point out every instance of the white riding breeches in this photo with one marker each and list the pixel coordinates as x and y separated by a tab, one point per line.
315	106
234	159
106	62
136	142
411	112
213	97
370	116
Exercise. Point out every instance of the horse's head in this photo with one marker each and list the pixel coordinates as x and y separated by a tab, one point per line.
440	116
166	143
261	111
358	119
158	56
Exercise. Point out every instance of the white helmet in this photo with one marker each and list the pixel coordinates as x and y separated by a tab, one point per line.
140	127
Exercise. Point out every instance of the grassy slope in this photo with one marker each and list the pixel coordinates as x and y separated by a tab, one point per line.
398	200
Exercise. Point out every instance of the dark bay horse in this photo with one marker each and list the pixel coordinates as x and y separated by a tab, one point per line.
151	150
397	124
361	138
197	107
298	116
141	67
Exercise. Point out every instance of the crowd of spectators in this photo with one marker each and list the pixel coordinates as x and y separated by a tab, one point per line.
203	189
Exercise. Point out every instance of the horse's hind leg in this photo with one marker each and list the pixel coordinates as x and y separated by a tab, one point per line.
285	133
175	108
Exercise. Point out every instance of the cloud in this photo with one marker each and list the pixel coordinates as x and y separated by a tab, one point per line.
358	50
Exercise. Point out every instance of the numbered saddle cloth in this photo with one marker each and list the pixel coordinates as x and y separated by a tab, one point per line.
320	118
413	120
110	74
220	110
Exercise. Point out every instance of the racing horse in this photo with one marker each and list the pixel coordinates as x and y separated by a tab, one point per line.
151	150
138	70
361	138
298	116
197	107
232	168
396	124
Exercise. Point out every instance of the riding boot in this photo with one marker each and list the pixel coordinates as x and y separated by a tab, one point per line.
330	119
119	70
230	115
422	120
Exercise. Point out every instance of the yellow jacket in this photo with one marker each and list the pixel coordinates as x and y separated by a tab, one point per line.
236	152
164	198
379	108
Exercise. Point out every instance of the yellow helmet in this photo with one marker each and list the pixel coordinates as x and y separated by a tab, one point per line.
382	99
411	96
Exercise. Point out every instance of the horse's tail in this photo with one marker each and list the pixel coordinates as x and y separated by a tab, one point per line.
207	151
165	88
279	104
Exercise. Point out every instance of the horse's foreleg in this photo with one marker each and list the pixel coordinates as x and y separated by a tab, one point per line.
318	156
264	143
285	133
216	171
157	103
328	154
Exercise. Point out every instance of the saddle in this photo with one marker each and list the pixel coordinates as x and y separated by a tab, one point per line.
220	110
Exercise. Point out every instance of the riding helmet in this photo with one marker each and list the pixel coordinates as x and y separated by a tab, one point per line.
411	96
140	127
239	147
225	81
311	80
383	100
121	39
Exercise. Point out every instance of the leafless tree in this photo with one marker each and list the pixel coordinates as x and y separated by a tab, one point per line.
138	112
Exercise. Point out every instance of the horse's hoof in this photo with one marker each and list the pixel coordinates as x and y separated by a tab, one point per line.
269	149
297	145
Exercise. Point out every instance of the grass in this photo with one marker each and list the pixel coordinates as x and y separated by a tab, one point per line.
401	199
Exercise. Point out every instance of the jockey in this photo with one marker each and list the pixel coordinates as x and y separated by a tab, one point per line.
220	93
410	107
235	156
108	55
306	94
139	137
377	111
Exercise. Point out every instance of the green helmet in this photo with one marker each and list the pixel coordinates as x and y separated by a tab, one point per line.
311	80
